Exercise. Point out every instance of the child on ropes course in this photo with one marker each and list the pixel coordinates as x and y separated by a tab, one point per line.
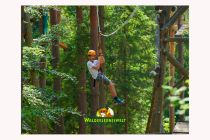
94	69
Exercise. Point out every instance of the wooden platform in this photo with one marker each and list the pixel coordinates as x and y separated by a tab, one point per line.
181	128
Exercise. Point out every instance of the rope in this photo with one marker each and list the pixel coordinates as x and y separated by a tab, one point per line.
123	24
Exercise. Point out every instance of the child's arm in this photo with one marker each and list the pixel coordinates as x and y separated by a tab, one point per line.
97	66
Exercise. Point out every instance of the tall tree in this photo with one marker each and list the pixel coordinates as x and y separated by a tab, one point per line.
42	122
82	70
54	20
43	27
171	74
22	25
181	60
102	96
155	125
94	45
157	70
33	75
28	41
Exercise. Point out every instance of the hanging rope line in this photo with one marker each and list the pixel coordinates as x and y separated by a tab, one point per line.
123	24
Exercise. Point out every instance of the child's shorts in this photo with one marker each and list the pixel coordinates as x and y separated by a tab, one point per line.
104	78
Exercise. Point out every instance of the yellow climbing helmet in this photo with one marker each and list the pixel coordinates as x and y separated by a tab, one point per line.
92	52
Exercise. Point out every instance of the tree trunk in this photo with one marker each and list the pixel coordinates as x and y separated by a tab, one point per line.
33	75
94	43
82	73
157	70
43	28
152	103
179	11
181	61
42	80
28	30
102	94
171	82
29	40
157	108
174	62
22	25
54	20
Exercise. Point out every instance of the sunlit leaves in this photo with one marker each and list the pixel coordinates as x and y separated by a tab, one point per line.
34	12
174	98
32	96
40	103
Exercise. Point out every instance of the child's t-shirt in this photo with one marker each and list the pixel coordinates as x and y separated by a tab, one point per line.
93	71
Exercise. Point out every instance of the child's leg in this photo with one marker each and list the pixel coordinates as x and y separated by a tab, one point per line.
112	89
110	85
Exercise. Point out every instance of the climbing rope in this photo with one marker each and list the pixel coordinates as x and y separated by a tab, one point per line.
123	24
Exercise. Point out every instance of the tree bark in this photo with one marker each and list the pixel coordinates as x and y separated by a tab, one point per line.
43	29
172	20
28	30
22	25
177	65
54	20
171	82
82	73
157	108
152	103
157	70
33	75
29	40
176	39
181	61
102	94
94	43
42	79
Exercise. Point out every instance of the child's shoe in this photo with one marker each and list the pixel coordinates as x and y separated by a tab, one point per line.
118	101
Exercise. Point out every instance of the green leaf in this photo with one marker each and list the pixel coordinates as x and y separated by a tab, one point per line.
178	92
174	98
180	112
184	106
167	87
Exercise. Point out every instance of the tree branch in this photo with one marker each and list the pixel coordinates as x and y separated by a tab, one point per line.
176	38
172	20
174	62
179	83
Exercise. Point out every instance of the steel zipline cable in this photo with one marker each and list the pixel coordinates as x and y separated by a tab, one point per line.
123	24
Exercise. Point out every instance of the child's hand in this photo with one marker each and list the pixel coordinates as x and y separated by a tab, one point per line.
101	59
